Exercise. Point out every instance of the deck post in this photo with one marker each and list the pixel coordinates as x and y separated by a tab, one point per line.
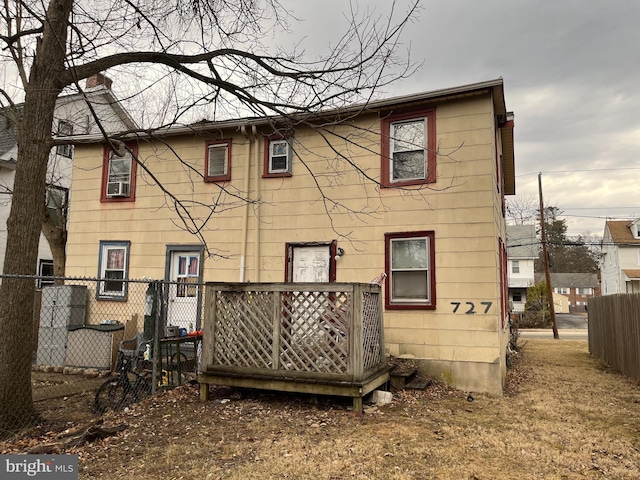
204	392
357	332
277	326
357	404
209	330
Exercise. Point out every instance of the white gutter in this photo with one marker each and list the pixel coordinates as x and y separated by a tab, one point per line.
245	222
256	211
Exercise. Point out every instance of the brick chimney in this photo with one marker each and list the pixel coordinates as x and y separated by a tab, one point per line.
99	79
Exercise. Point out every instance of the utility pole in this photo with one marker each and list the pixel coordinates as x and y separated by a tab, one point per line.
545	257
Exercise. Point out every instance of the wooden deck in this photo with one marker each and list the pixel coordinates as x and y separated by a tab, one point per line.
321	338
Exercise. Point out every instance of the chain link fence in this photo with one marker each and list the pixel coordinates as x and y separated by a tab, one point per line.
100	344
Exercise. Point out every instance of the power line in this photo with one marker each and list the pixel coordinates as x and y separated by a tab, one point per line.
580	171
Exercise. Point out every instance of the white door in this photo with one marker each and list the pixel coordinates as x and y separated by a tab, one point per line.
311	263
183	294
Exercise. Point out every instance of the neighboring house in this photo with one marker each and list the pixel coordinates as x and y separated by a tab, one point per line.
522	251
578	288
620	262
72	116
313	218
560	303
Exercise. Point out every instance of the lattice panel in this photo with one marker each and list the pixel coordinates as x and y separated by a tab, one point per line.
315	332
244	329
371	333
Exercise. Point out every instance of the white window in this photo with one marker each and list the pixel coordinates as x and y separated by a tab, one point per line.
585	291
187	275
280	154
113	270
45	269
217	165
407	149
515	266
65	129
410	274
561	290
119	175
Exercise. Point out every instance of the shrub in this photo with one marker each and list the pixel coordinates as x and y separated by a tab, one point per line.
536	310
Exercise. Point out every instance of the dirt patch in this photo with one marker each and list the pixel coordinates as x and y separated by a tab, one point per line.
564	415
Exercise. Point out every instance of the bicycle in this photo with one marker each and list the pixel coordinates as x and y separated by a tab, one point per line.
127	388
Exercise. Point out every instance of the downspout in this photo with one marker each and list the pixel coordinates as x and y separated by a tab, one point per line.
256	211
245	233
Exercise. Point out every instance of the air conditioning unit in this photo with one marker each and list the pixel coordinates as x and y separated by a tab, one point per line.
117	189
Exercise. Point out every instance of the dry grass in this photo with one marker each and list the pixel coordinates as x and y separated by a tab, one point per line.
564	417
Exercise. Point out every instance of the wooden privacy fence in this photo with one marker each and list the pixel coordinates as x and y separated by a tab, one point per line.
324	338
614	332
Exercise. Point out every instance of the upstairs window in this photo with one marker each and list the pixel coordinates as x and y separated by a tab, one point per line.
113	270
515	266
119	176
408	149
410	268
65	129
278	157
217	162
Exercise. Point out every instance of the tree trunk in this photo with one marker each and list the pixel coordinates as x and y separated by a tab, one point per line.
25	220
57	238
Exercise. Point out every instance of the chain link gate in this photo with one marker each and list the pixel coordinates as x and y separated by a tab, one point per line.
83	341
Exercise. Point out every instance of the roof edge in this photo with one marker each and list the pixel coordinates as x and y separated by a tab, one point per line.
495	86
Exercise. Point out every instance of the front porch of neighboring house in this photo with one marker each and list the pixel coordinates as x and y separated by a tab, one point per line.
319	338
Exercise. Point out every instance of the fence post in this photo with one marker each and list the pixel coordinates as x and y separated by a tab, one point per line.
157	325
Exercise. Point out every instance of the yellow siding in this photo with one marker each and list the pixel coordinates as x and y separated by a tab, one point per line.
463	208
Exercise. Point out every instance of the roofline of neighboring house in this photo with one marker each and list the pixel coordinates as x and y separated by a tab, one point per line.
505	119
99	90
102	90
615	239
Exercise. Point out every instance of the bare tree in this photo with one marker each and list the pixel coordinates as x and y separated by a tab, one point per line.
210	50
522	210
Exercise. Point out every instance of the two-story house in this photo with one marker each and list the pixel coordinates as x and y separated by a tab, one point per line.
72	116
522	250
620	262
411	186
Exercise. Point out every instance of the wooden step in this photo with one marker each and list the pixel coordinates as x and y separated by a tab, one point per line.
418	384
401	377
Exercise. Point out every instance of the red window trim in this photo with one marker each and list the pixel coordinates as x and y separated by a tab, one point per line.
105	175
430	115
430	234
217	178
267	141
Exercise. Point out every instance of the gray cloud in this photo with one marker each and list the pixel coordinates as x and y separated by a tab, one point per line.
571	71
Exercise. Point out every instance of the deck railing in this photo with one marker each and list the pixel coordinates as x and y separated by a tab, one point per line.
322	331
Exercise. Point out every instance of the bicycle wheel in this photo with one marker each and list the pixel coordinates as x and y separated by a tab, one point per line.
110	395
179	367
141	388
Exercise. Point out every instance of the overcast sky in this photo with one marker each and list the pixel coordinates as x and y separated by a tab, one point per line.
571	70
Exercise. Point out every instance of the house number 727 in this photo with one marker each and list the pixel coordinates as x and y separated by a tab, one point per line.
472	307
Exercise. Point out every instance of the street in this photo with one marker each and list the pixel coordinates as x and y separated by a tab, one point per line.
570	327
